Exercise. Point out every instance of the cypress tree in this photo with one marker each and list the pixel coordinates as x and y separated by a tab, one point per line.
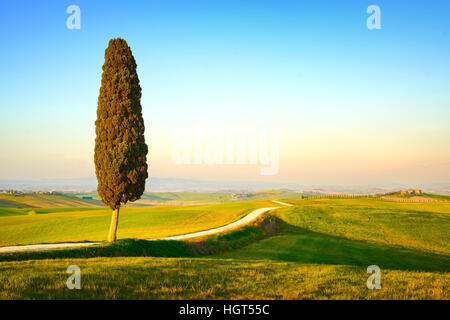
120	149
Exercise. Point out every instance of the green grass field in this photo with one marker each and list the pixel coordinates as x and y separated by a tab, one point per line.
317	249
31	200
206	197
438	196
209	278
49	225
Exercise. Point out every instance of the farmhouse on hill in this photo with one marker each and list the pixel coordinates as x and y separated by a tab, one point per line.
416	192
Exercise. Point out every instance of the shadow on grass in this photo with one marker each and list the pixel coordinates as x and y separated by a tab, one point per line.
295	244
269	239
159	248
120	248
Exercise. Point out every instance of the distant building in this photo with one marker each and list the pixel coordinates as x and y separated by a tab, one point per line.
416	192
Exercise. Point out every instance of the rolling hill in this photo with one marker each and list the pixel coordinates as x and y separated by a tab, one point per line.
315	249
36	200
180	198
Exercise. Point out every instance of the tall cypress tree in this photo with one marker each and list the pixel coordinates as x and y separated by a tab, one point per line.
120	148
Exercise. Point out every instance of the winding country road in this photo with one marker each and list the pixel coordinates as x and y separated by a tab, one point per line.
282	203
234	225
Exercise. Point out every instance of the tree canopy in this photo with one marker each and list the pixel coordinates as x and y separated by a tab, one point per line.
120	148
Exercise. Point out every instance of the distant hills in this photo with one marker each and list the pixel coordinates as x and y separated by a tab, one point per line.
197	185
185	198
91	199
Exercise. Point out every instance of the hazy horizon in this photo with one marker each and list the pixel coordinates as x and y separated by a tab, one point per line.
173	184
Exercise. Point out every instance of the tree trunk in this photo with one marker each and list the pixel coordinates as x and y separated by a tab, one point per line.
113	227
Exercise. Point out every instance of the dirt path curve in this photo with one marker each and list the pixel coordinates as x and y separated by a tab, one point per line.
239	223
282	203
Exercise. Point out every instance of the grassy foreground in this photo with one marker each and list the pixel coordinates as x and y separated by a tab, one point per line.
205	278
317	249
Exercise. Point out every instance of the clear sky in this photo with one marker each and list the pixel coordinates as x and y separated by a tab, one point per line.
350	105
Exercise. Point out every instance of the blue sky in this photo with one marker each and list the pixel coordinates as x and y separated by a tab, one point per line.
313	71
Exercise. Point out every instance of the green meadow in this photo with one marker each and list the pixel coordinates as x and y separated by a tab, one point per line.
32	200
205	197
316	249
47	225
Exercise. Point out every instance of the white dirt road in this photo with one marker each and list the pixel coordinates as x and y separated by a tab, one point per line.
34	247
234	225
282	203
